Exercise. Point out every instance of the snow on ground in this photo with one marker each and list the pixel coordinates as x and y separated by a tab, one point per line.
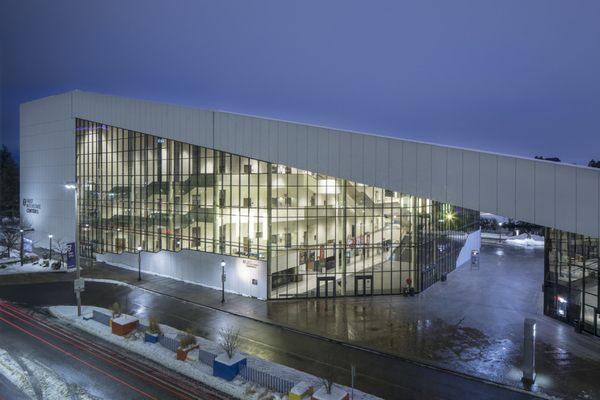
15	373
26	374
498	218
112	281
17	268
193	369
526	240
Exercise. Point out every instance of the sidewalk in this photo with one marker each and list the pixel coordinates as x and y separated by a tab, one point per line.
472	323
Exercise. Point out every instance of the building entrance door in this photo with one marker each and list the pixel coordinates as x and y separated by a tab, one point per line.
363	285
590	320
326	286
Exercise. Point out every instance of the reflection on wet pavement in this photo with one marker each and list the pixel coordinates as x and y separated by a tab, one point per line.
473	323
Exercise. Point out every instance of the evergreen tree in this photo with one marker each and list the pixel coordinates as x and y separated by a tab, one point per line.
594	164
9	184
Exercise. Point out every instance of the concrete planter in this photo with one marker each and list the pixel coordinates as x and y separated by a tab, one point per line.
182	354
151	337
228	368
337	393
123	325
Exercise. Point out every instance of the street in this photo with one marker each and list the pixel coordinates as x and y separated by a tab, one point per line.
51	360
384	375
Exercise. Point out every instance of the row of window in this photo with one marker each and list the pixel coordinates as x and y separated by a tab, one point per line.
159	194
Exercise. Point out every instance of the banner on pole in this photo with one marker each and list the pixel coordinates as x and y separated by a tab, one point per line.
71	255
27	245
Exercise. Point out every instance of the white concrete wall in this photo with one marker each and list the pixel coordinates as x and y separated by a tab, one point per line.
47	143
201	268
557	195
473	242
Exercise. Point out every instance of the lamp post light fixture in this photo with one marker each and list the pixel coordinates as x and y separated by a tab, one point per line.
139	249
21	249
223	277
73	186
50	256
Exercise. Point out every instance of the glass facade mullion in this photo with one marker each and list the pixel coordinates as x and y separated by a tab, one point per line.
319	235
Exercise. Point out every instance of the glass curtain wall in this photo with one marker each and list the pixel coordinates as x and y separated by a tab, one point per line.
320	236
571	279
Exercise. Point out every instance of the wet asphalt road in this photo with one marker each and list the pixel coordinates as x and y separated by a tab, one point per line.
386	376
64	363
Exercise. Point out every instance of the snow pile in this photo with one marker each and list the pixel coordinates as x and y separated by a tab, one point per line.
493	217
17	268
25	373
15	374
526	240
193	369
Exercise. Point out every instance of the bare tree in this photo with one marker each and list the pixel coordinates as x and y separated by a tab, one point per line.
229	340
61	248
10	238
327	380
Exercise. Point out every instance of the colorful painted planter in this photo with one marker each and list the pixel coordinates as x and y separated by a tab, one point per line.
183	353
228	368
337	393
151	337
302	390
123	325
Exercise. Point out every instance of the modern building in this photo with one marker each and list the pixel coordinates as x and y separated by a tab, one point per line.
293	210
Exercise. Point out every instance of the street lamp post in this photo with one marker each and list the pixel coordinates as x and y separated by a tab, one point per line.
21	249
75	188
50	256
223	277
139	249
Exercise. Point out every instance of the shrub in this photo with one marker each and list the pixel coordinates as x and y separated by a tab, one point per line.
188	339
116	310
153	326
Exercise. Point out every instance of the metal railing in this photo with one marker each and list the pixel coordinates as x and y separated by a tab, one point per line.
265	379
206	357
168	343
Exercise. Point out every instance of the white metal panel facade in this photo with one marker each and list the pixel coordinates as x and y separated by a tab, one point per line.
556	195
47	152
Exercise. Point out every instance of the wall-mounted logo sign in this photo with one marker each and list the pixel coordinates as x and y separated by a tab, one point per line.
31	207
251	263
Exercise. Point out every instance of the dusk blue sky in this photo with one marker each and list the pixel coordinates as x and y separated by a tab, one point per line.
511	76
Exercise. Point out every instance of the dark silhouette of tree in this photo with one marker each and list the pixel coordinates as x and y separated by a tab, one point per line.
594	163
555	159
9	184
10	238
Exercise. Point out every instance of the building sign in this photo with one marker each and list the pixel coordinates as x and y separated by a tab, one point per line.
31	207
71	262
251	263
27	245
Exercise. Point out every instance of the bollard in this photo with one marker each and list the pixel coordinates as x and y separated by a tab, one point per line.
528	352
